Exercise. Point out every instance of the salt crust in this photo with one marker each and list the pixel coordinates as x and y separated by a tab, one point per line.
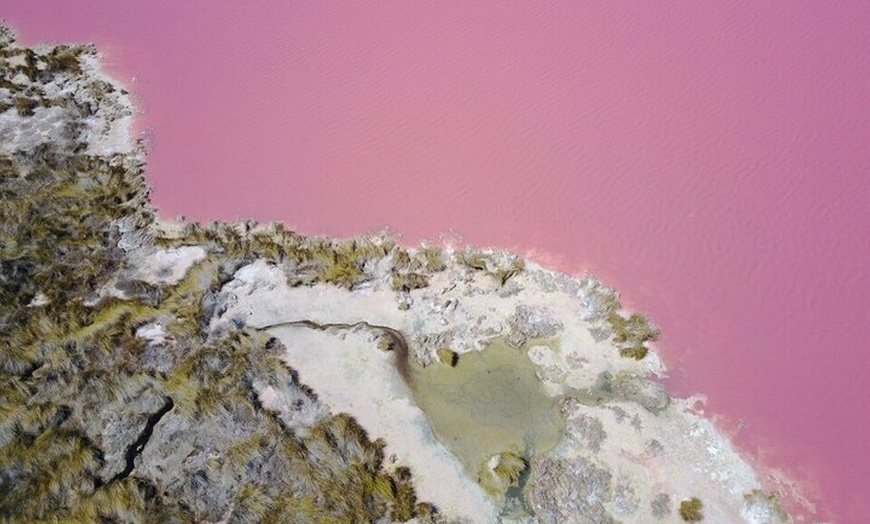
107	129
676	451
169	266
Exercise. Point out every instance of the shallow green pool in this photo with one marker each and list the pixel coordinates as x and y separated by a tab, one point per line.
491	402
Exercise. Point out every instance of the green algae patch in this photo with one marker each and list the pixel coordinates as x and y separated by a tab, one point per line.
490	403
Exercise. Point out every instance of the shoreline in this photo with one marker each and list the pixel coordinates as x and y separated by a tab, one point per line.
485	274
795	497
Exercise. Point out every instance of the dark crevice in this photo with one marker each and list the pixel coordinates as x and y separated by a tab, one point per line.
135	449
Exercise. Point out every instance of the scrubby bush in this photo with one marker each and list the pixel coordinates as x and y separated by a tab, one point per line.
690	510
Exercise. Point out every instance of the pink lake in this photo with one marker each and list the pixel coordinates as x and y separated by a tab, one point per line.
710	161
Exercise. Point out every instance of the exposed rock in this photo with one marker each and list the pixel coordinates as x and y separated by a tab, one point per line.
588	431
661	505
532	323
426	345
562	490
651	395
625	500
653	448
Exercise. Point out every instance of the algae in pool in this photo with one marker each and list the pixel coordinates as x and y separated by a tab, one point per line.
490	402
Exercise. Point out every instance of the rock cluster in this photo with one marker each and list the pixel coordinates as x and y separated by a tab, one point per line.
569	490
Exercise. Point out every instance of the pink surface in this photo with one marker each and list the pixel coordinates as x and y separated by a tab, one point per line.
711	161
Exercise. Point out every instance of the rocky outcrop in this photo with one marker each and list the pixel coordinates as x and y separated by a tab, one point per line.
569	491
531	323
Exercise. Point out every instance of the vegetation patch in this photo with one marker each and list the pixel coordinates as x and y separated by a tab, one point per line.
691	510
500	266
448	356
632	333
501	472
409	281
99	424
635	352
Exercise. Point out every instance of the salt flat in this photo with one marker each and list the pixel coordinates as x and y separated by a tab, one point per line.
631	451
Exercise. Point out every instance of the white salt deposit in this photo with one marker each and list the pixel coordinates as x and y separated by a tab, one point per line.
648	444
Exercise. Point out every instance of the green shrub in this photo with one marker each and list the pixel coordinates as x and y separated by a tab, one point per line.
690	510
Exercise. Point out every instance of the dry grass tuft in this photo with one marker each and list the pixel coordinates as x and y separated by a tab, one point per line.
691	510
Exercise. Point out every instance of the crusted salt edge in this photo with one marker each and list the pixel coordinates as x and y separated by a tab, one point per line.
696	459
153	333
169	266
47	124
106	131
110	130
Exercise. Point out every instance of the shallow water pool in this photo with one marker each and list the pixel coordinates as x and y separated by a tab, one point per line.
490	402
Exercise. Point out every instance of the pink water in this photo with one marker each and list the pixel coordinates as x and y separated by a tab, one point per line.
711	161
